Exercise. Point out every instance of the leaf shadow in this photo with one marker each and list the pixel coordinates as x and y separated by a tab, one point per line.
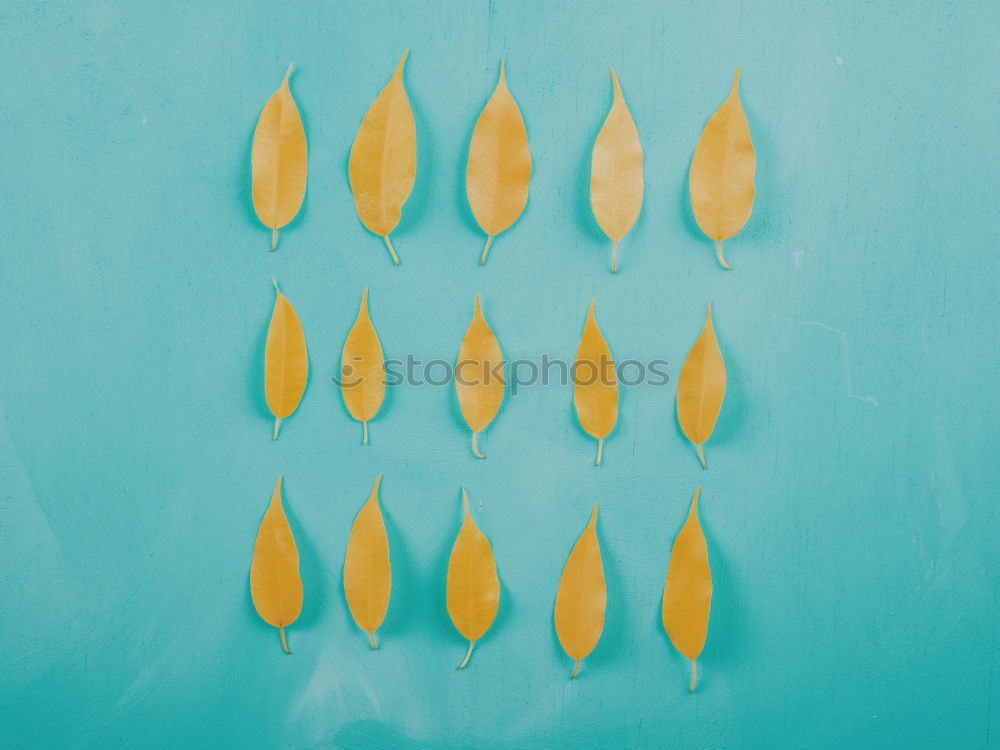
405	586
735	405
312	569
255	374
724	626
415	208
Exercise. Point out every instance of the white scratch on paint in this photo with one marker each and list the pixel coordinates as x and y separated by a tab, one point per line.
845	353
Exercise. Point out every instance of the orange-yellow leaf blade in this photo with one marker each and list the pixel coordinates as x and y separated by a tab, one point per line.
722	172
367	575
701	387
363	367
582	595
479	380
275	585
499	168
595	384
286	363
687	595
278	160
383	160
473	589
616	182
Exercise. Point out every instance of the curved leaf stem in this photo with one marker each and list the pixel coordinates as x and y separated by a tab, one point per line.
392	252
468	655
600	450
576	669
284	643
274	239
718	254
694	674
701	457
475	450
372	636
614	258
365	440
277	426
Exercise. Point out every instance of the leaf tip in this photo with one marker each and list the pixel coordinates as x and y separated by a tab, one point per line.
364	298
736	82
284	81
402	61
465	500
615	84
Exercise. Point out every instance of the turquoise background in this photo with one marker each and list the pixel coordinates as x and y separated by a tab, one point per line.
850	501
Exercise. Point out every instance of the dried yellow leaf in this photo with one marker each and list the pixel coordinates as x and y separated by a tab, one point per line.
286	363
362	369
687	595
278	161
582	597
595	384
367	575
701	387
479	379
616	183
496	180
275	585
473	589
722	171
383	160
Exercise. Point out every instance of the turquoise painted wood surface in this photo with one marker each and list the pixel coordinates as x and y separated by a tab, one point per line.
850	504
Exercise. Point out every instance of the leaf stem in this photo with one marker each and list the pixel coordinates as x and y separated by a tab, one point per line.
475	450
372	636
274	239
284	643
277	425
600	450
701	457
614	258
365	440
576	669
718	254
468	655
388	244
694	674
489	239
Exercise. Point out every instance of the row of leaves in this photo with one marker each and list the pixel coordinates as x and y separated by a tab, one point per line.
701	385
383	162
473	588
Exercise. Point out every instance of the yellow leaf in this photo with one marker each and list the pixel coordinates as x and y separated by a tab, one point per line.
701	387
616	173
499	170
595	384
383	159
278	161
581	597
362	369
722	170
687	595
367	576
473	590
479	376
275	585
286	364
